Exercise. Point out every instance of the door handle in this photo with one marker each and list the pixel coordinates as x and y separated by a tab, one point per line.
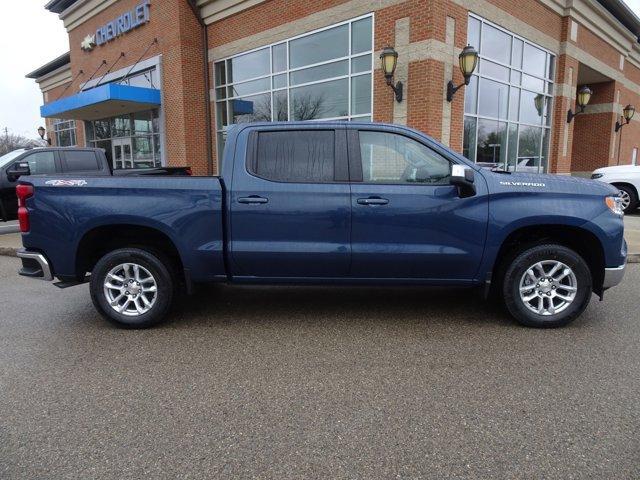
373	201
253	199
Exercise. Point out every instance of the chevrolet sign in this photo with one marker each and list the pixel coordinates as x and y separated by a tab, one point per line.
119	26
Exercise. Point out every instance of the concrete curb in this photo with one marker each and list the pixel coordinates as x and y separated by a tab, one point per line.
8	251
12	252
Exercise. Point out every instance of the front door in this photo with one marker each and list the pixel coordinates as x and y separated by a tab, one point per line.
122	153
408	221
290	205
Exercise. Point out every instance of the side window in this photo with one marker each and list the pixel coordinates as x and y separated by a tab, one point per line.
41	162
80	161
295	156
393	158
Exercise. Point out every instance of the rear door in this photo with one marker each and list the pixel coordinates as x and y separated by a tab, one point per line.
290	204
408	222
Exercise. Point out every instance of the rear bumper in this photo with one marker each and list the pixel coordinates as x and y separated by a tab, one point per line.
34	265
613	276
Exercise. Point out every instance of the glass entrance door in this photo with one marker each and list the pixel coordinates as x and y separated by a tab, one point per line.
122	153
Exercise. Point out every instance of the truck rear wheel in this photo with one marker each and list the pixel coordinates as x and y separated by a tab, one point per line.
547	286
132	288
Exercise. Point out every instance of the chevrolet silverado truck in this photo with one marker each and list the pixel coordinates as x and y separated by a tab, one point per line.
327	202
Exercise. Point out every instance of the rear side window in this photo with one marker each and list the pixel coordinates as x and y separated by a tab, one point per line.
80	161
306	156
41	163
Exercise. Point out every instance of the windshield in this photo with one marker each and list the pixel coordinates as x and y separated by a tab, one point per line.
5	159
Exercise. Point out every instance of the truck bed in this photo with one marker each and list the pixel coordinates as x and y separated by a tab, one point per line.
188	210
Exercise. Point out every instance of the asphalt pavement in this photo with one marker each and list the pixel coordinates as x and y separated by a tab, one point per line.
311	382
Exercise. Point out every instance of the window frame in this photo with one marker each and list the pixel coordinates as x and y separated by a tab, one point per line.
220	127
340	160
549	91
61	125
355	157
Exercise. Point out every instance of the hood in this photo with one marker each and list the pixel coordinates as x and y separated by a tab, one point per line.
530	182
619	169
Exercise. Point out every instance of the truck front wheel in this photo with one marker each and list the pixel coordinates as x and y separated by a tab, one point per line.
547	286
132	288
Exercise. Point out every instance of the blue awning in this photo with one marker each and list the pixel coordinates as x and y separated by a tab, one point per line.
107	100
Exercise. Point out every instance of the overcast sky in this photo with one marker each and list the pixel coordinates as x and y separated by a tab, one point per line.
30	36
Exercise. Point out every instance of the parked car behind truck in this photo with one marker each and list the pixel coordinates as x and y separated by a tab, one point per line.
334	202
60	160
626	178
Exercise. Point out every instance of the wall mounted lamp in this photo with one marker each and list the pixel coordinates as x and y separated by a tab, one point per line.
468	59
389	59
584	96
41	132
627	115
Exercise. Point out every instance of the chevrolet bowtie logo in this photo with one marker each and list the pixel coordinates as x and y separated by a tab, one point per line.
88	43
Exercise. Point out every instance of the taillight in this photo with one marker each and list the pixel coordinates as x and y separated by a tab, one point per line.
23	192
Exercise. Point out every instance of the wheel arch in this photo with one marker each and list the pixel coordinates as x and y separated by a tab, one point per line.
580	240
99	240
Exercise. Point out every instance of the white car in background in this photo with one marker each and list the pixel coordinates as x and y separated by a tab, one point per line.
624	177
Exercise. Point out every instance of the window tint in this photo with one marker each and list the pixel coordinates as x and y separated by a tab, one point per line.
41	163
391	158
302	156
80	161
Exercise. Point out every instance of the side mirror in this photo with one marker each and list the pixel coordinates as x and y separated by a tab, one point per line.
17	170
463	178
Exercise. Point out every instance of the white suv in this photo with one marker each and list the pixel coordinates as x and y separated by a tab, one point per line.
625	178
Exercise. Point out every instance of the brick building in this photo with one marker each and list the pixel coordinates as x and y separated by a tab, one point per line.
159	81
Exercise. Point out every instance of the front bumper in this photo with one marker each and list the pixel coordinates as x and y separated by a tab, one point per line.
613	276
34	265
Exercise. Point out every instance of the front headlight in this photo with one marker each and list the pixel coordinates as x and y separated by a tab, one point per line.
597	175
615	205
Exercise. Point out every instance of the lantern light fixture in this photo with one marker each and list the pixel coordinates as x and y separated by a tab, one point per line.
627	114
467	60
584	96
389	60
41	132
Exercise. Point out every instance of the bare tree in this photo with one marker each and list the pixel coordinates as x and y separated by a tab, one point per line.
308	107
11	141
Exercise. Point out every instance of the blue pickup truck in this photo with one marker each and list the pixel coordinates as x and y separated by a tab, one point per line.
327	202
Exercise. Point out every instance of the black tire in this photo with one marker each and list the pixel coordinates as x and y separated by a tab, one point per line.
633	198
523	262
159	268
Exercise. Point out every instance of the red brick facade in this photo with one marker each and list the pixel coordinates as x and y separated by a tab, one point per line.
586	143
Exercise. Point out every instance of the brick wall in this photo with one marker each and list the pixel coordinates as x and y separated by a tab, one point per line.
179	42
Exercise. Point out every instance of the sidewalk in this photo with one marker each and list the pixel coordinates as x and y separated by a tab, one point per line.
9	243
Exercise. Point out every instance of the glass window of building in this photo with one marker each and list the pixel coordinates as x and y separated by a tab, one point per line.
508	101
129	141
65	132
321	75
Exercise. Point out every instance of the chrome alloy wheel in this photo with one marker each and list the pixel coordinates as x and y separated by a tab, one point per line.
626	199
548	287
130	289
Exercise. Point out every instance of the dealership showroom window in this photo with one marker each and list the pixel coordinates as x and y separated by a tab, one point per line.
322	75
508	101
